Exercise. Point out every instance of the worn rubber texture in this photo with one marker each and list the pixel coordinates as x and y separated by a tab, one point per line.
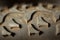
30	23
